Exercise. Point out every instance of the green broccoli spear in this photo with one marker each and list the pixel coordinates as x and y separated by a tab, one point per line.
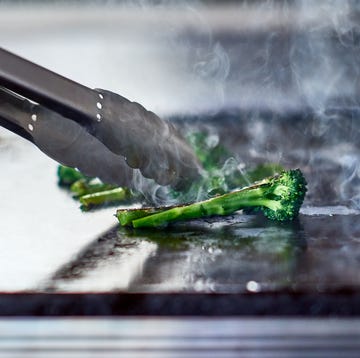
100	198
279	197
86	187
91	192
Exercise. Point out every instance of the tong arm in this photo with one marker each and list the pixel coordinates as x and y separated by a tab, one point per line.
126	128
43	86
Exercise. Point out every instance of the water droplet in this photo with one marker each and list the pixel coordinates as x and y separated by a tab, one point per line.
34	117
99	105
253	286
101	96
31	127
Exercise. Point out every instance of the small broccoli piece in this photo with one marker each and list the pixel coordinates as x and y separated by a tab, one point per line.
68	176
279	197
92	192
84	187
209	151
105	197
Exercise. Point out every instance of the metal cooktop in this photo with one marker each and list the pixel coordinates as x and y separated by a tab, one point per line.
298	109
59	260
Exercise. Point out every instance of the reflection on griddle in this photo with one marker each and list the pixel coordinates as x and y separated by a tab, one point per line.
236	254
233	254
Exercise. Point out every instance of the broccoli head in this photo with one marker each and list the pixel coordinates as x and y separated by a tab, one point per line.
281	196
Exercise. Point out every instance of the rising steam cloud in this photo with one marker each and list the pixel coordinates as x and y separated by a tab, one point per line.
294	60
286	72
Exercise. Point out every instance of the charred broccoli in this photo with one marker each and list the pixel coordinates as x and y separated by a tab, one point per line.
279	197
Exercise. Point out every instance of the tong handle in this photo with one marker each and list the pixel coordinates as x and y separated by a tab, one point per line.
15	113
126	128
47	88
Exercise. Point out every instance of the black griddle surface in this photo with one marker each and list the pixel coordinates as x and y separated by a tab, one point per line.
235	265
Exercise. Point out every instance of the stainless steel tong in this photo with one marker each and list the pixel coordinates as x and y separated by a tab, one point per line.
97	131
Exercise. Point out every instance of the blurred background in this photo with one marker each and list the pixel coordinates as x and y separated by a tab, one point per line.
192	56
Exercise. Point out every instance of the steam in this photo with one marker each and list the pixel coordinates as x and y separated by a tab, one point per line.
324	54
286	72
324	58
201	58
279	58
213	65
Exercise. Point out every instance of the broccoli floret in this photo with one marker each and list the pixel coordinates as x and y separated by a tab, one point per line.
68	176
279	197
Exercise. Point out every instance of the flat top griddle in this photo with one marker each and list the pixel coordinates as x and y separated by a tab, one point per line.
293	72
83	263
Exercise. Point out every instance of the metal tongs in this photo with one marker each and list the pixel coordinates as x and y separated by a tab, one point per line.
97	131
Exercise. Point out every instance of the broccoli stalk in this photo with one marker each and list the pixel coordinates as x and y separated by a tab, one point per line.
85	187
127	216
91	192
279	197
111	196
